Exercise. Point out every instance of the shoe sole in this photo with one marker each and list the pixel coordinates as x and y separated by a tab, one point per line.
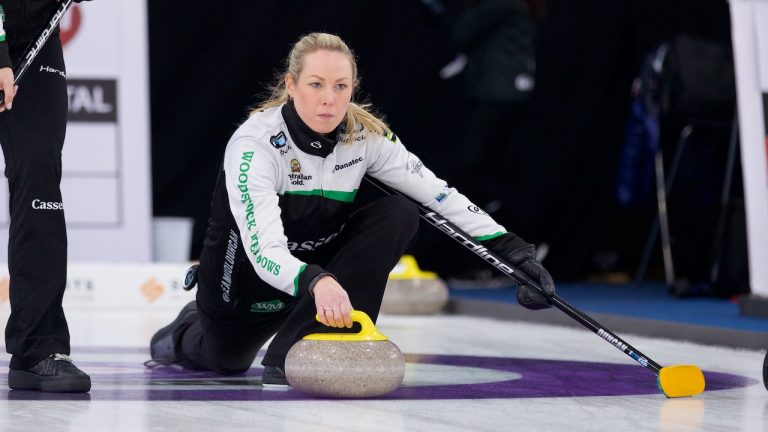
276	386
23	380
271	379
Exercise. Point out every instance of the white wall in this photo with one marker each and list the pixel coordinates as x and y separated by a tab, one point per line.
750	40
106	182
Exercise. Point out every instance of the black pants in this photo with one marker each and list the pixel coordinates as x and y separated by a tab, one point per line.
361	257
32	137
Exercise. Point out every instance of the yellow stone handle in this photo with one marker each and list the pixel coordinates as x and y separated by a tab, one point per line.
408	269
368	332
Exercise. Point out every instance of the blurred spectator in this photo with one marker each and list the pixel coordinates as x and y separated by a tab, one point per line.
563	167
565	172
497	37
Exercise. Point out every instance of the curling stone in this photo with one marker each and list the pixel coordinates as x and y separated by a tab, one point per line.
765	371
346	365
412	291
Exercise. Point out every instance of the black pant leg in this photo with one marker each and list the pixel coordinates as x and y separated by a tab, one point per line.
229	330
227	335
226	345
32	137
372	241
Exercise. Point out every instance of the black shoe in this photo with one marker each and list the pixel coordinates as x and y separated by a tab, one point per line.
162	347
274	376
55	373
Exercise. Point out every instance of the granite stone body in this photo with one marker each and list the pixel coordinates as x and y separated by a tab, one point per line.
414	296
345	369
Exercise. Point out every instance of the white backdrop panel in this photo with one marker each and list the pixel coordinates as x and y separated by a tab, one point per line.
106	168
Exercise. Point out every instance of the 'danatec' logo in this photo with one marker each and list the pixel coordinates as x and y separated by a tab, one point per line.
70	24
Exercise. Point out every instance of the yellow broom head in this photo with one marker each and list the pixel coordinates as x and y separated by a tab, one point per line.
681	381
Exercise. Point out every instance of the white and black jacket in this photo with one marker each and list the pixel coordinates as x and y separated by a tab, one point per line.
284	189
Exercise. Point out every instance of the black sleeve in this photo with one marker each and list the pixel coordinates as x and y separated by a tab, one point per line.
5	59
307	276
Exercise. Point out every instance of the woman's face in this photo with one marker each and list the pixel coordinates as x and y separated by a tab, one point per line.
323	90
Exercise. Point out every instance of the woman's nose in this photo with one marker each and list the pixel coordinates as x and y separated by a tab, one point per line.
328	97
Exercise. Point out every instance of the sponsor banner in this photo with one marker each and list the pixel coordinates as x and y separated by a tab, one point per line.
750	43
92	101
129	287
106	168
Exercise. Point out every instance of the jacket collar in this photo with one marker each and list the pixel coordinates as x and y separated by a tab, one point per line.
306	139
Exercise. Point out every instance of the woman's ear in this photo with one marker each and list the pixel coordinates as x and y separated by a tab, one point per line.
290	85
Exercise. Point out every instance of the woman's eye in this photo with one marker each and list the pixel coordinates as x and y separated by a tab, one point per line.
341	86
314	84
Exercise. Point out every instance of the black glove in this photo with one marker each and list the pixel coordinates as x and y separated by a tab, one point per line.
523	256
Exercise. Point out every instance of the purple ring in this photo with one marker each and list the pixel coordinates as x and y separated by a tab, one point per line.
539	379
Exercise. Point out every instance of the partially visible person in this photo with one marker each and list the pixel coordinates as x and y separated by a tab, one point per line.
33	123
496	38
283	241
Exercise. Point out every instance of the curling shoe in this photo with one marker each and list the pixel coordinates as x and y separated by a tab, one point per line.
274	376
162	347
55	373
